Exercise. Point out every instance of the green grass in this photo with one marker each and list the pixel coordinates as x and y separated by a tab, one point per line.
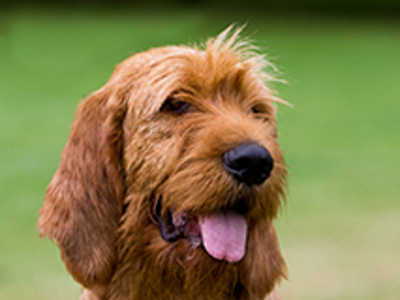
340	228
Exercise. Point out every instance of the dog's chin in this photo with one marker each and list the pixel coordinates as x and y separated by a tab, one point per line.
222	234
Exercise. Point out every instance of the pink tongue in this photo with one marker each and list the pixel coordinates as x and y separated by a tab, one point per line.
224	235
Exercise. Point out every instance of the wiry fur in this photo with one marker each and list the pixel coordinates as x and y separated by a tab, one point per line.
124	154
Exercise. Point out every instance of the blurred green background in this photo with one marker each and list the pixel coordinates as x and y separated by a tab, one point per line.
340	229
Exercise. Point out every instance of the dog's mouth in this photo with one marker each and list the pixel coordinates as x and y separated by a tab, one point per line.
223	234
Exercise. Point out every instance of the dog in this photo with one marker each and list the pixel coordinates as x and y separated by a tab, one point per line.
171	178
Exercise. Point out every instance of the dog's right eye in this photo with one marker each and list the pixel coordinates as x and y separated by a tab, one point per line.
175	106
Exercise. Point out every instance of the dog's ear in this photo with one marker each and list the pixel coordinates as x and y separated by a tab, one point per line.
84	199
264	265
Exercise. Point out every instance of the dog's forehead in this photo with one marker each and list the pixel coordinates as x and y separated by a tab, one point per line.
190	66
156	74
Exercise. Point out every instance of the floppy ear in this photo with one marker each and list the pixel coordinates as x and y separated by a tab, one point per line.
264	265
83	201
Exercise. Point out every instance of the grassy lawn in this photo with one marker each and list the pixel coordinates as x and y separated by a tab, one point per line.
340	230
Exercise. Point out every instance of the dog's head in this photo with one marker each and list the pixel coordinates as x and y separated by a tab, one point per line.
176	157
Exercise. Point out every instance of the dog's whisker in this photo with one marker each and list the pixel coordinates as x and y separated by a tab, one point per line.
173	246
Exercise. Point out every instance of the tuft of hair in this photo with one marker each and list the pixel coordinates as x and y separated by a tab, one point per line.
229	41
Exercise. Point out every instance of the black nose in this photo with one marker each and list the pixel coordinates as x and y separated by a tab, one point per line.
249	163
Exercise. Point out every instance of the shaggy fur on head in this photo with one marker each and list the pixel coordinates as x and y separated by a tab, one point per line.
147	147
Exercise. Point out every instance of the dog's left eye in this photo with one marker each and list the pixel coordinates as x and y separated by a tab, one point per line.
175	106
255	110
259	109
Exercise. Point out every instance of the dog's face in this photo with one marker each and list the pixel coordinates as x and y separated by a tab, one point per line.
202	121
189	139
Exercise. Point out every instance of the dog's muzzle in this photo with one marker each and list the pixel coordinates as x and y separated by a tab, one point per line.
223	234
248	163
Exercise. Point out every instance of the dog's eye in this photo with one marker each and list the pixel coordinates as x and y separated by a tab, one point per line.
175	106
255	110
258	109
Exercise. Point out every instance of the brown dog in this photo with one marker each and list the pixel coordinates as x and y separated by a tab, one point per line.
171	178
